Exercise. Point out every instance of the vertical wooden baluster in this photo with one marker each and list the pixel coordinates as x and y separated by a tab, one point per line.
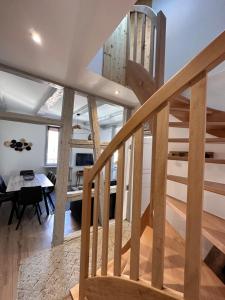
85	237
151	50
159	79
119	211
136	208
105	230
158	194
143	39
197	128
95	225
135	37
128	39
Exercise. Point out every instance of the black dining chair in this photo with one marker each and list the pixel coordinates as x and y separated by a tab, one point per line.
50	189
8	197
29	196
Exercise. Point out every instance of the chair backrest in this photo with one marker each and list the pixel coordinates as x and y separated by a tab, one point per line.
49	175
26	172
30	195
2	185
53	179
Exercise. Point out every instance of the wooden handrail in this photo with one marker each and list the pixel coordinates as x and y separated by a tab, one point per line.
206	60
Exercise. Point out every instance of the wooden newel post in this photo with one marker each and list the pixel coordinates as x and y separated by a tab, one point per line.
85	232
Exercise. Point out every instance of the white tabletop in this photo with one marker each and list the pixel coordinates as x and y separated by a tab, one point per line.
16	182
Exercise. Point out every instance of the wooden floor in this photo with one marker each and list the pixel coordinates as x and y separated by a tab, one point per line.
16	245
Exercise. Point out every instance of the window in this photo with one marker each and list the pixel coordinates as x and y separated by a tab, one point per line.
52	145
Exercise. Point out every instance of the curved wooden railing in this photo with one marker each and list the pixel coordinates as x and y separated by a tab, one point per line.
134	39
193	76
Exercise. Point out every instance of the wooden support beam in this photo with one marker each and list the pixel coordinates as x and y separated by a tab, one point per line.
63	166
193	249
75	143
95	132
16	117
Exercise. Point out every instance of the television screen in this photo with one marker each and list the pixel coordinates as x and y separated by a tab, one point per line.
84	159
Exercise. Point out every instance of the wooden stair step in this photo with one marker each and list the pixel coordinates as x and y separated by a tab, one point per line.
186	109
210	125
211	286
210	186
207	160
207	140
213	227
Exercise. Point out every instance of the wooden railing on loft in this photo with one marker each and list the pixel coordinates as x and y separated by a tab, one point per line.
193	76
134	39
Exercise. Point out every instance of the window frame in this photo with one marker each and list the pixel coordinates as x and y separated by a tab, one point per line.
56	128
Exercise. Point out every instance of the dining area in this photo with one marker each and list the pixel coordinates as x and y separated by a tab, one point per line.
28	189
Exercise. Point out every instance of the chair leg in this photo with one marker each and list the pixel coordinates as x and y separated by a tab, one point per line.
50	201
37	211
46	203
21	216
14	208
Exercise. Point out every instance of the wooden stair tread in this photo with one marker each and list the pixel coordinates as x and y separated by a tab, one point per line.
207	140
210	186
211	286
207	160
213	227
210	125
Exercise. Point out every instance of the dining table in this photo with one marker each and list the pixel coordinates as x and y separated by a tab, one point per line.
16	182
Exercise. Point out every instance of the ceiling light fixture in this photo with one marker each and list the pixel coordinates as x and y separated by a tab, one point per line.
117	92
36	37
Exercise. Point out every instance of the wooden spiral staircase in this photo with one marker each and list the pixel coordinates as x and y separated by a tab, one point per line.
156	263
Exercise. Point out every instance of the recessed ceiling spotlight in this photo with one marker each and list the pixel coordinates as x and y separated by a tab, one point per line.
36	37
117	92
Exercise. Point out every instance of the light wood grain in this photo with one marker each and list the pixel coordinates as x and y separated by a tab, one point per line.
17	117
85	237
95	226
193	250
75	143
206	60
136	207
213	227
95	133
111	288
210	186
63	166
119	211
207	160
207	140
105	225
158	195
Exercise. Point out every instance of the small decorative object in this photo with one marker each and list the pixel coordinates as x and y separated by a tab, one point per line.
19	146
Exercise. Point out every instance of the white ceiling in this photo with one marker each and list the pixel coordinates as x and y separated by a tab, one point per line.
72	31
22	95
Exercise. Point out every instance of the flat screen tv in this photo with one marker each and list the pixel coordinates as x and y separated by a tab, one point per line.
84	159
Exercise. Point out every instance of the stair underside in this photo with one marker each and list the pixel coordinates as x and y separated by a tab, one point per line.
213	227
207	160
211	286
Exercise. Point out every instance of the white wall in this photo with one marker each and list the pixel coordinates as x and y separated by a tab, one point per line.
191	26
11	161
